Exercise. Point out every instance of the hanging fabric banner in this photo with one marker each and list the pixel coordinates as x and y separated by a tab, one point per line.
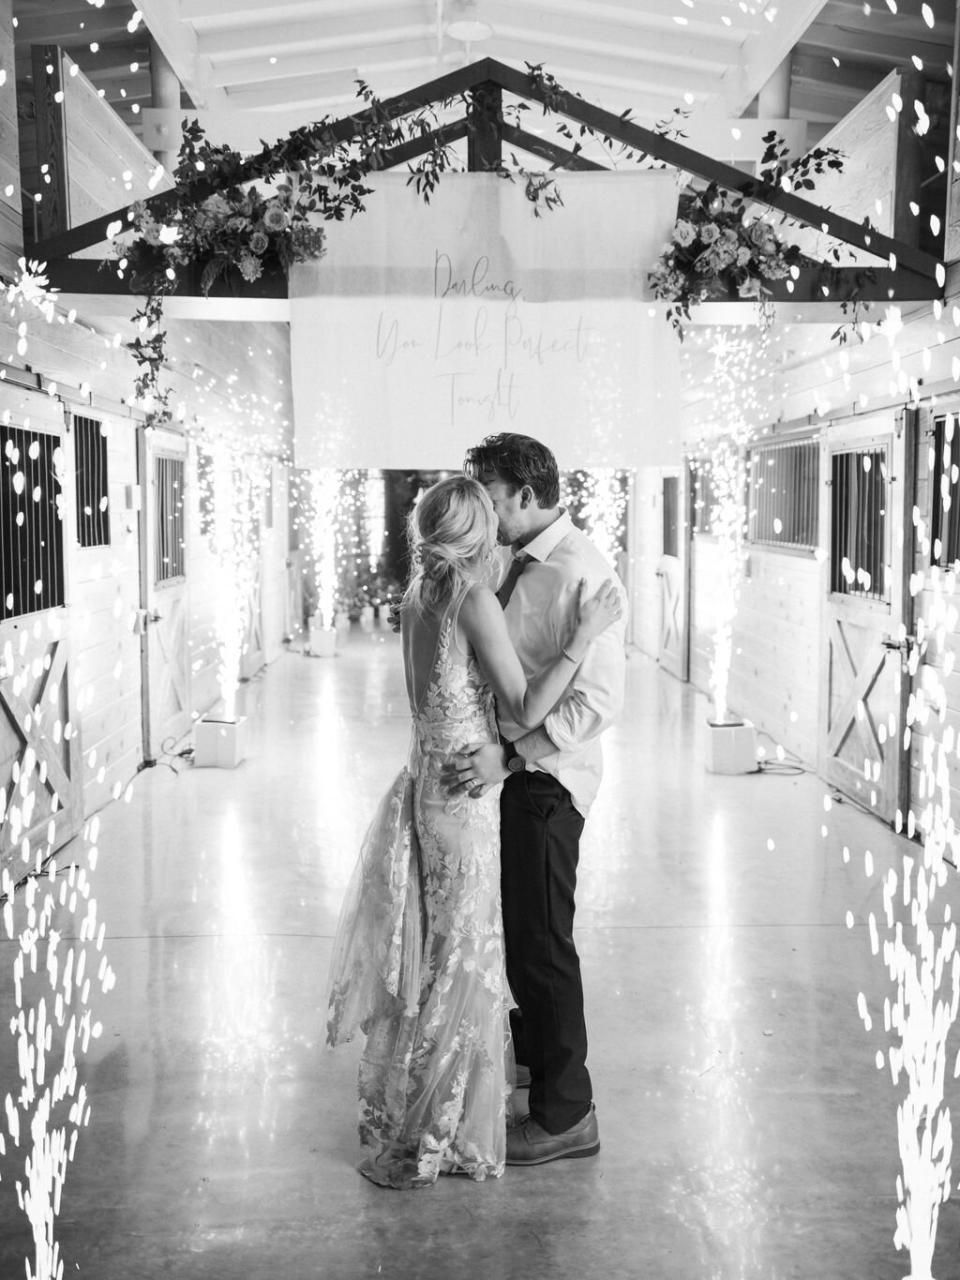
428	326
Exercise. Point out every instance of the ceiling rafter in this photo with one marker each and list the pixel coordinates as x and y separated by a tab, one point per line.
591	68
178	43
763	52
866	43
271	38
65	26
915	276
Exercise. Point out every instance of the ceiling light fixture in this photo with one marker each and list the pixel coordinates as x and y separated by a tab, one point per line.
465	23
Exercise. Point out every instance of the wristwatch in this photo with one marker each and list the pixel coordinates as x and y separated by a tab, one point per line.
515	761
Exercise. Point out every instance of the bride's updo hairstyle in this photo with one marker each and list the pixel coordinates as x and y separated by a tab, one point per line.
452	533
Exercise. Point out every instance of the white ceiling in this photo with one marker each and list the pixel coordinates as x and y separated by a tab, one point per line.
259	68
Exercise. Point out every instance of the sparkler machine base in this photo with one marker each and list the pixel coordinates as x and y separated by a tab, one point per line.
322	642
219	744
731	747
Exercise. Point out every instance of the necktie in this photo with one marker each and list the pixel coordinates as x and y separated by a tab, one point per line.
505	590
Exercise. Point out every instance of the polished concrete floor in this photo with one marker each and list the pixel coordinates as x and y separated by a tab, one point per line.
746	1130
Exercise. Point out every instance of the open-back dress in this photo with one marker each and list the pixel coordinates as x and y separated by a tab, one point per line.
418	959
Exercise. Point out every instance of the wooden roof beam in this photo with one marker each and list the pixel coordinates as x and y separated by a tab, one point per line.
732	179
72	26
543	149
622	130
863	43
433	91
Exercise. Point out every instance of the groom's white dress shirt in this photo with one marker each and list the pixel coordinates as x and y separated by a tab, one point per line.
540	615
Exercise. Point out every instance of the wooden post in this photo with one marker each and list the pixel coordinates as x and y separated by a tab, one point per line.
11	215
165	97
53	209
485	140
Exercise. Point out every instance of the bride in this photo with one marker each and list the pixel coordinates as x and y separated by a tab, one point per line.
418	961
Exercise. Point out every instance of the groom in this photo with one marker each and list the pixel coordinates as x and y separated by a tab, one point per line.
550	777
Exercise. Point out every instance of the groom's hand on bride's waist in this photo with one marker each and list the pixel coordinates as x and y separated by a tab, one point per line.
475	769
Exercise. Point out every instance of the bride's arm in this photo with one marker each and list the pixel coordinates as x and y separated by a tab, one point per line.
525	702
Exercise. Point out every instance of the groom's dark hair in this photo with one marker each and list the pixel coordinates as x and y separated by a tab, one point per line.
517	460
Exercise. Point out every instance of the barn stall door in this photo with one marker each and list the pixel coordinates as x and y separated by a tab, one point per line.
671	574
163	589
40	759
868	476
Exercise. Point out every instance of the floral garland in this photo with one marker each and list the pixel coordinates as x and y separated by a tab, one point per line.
716	250
235	219
719	250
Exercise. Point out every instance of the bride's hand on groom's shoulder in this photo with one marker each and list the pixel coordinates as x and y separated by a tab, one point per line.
475	769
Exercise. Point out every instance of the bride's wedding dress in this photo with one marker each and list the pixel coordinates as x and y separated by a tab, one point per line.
418	958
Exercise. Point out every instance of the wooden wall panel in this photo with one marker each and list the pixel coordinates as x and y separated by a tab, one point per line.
107	165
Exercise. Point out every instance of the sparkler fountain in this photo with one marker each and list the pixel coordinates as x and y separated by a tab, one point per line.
324	493
731	743
235	491
921	954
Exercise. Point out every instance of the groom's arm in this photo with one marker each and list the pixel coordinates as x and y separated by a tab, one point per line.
592	703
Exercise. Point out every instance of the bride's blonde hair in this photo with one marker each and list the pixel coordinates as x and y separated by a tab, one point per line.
452	533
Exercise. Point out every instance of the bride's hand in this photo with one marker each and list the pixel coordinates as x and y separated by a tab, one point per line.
597	613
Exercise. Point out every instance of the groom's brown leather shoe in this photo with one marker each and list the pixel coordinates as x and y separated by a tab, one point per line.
529	1143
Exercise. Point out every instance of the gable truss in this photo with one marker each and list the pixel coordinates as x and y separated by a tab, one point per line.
910	273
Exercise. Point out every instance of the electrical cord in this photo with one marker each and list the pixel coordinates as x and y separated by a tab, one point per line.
791	768
782	768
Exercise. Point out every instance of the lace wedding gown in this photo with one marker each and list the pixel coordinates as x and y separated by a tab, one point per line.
418	957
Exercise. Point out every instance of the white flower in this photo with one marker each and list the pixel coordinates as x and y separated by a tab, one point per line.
217	206
709	233
274	217
684	233
762	236
251	268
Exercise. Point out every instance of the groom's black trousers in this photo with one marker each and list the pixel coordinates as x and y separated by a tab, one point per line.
540	847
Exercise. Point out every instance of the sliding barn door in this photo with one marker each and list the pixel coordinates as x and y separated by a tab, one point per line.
41	790
868	476
163	589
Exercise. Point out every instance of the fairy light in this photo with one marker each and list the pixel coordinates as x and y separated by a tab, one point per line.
375	513
232	488
597	498
324	490
921	955
737	361
922	958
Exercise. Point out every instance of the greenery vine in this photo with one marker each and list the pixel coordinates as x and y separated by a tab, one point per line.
231	220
